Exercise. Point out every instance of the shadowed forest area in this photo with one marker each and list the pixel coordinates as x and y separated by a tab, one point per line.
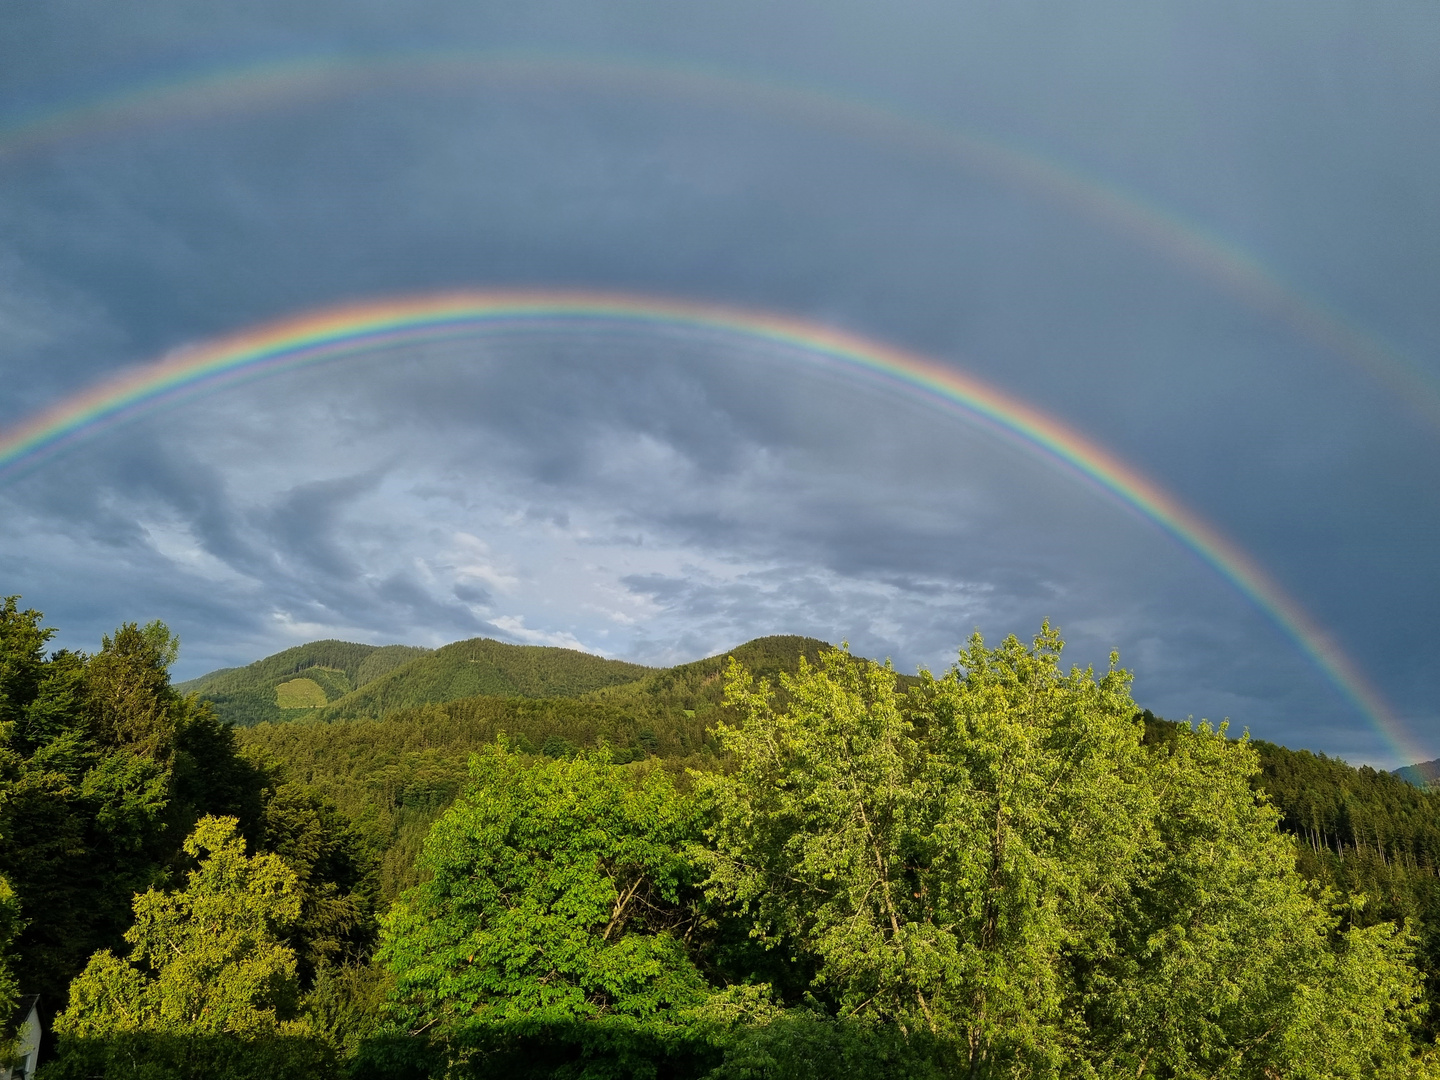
490	860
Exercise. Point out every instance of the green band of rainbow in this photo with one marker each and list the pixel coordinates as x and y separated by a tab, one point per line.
348	330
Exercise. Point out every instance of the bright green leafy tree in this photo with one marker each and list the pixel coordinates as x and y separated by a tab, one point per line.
553	927
9	983
998	860
207	958
209	987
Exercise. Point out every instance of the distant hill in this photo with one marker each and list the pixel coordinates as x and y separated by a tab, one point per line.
482	667
1421	774
342	680
293	683
696	688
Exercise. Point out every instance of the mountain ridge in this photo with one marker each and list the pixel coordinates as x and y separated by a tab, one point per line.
246	695
484	667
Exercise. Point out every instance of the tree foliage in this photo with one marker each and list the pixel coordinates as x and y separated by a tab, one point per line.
9	982
209	987
1369	835
560	899
997	858
204	959
104	771
803	866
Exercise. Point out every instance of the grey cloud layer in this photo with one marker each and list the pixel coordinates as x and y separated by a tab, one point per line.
669	498
660	496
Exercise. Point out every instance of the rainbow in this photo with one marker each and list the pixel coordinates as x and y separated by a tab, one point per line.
350	330
1224	265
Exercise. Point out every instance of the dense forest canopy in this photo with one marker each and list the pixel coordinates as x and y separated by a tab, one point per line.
781	862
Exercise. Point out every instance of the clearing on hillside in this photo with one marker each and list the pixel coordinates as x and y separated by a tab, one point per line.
299	694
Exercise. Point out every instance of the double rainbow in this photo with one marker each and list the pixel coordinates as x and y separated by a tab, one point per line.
212	95
350	330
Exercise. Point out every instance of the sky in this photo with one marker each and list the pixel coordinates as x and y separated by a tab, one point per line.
1204	237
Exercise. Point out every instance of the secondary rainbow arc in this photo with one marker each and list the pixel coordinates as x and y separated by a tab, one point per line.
352	329
1216	260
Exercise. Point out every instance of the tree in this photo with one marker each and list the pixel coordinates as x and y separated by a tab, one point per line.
131	702
555	919
998	860
208	988
9	984
22	659
104	770
207	958
335	879
22	644
816	827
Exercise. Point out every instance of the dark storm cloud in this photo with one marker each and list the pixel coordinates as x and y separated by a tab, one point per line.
403	593
304	524
654	495
472	594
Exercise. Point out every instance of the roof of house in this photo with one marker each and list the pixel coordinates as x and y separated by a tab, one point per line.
21	1012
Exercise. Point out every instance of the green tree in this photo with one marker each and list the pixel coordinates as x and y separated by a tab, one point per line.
22	659
209	988
9	983
1222	961
1367	834
814	830
554	923
335	879
998	860
207	958
22	645
131	702
104	769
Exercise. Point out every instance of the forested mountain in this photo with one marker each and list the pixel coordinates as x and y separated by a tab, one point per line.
340	680
778	862
482	666
394	777
1422	773
290	684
